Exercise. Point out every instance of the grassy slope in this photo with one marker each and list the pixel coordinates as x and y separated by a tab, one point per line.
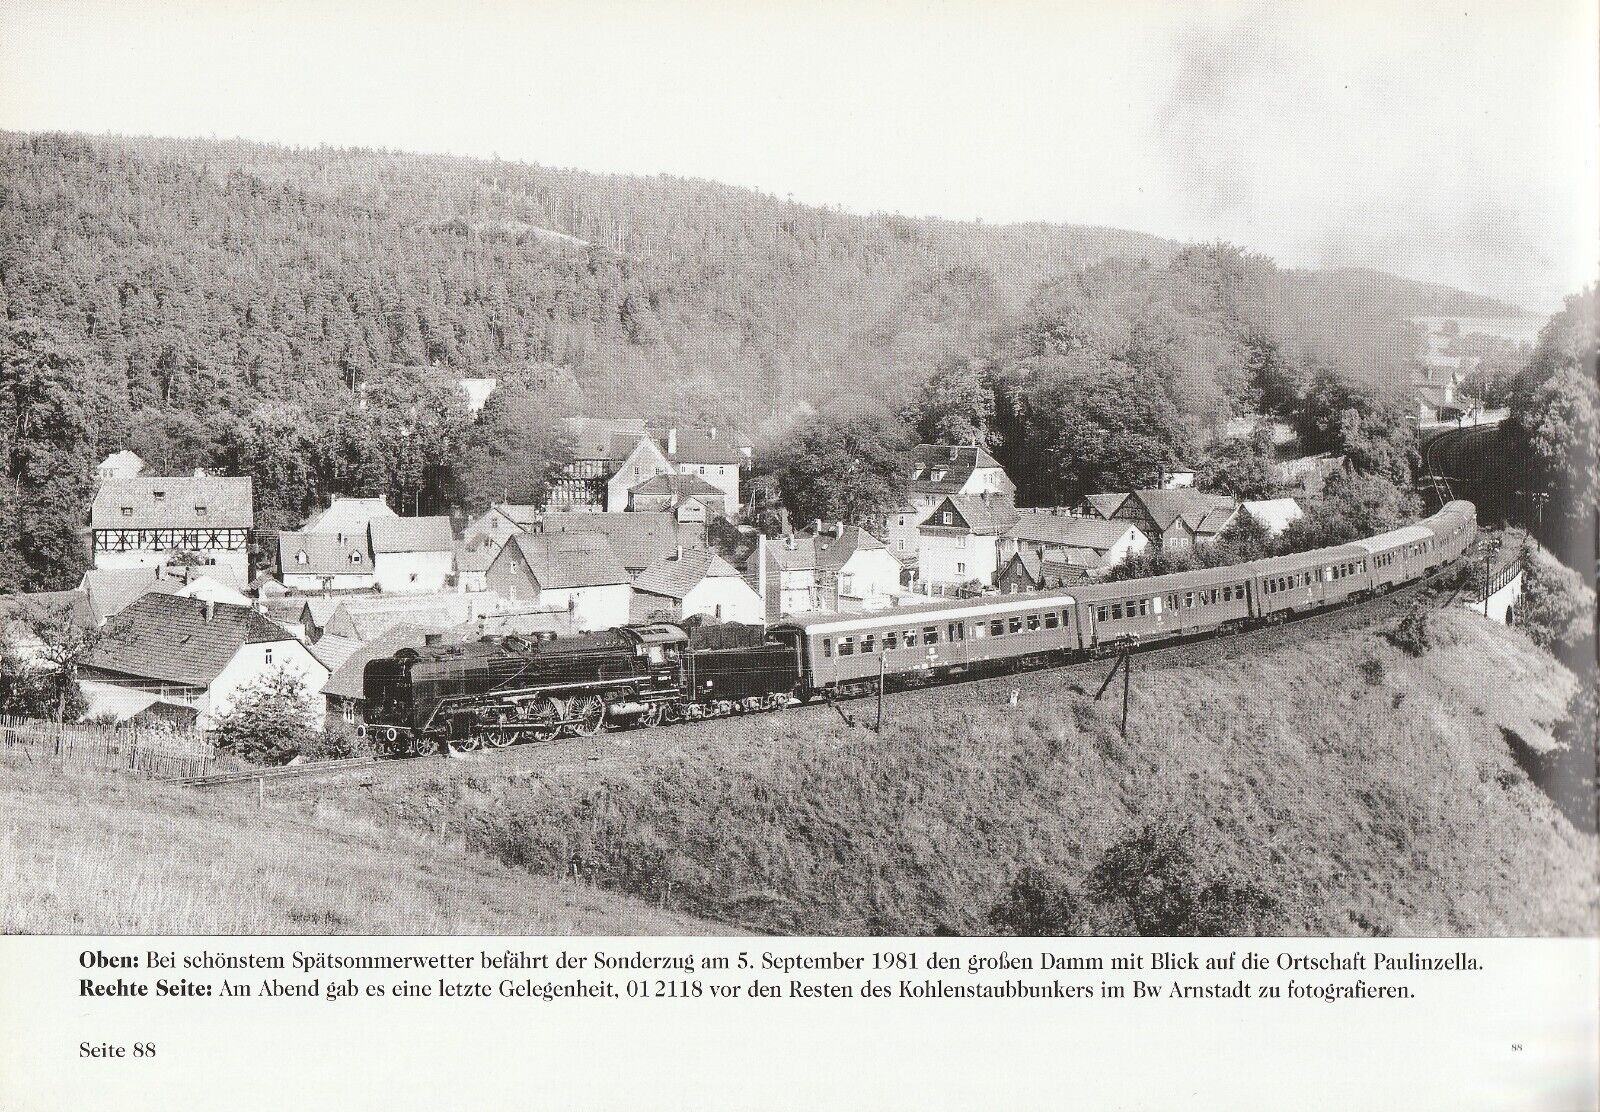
1387	789
113	856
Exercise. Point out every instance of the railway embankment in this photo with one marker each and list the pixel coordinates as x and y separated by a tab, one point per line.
1363	781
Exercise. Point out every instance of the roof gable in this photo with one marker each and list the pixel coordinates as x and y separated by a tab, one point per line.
1166	506
638	538
986	517
563	560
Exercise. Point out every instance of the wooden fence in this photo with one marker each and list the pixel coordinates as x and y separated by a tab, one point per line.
147	751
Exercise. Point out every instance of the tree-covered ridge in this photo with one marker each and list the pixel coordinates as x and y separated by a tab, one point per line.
301	316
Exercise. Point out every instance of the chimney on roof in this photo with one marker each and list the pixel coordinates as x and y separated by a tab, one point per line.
679	554
672	442
816	525
838	529
208	609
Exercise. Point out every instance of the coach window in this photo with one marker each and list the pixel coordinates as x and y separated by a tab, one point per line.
1033	623
827	647
868	643
847	646
1014	625
1051	621
997	628
958	632
890	640
1116	611
930	635
911	638
1101	614
979	631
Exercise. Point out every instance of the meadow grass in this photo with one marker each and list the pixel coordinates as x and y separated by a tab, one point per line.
115	855
1379	783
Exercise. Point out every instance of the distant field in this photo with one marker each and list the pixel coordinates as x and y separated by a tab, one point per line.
120	856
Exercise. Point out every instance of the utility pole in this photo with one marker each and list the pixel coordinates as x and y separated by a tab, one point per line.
1125	662
878	726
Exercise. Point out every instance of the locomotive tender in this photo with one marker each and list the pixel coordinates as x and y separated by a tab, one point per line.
494	692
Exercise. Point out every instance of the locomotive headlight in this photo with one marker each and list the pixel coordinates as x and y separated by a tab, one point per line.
390	734
361	731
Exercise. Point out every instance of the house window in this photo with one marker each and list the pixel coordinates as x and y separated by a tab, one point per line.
199	511
159	494
413	577
127	511
350	713
938	476
266	657
947	518
355	557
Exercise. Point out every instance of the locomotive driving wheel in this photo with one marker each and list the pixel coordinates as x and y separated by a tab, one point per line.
653	714
544	718
588	715
469	744
497	736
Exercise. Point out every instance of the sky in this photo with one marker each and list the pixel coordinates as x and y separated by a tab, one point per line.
1457	143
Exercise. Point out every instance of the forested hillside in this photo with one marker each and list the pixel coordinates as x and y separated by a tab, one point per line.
300	315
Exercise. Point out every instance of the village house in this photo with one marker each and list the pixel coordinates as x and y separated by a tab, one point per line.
940	470
855	571
1436	395
363	617
144	521
1099	505
901	535
638	539
1086	544
119	465
599	447
411	554
579	572
707	454
325	562
472	566
1178	519
959	541
689	498
786	569
491	528
694	582
195	652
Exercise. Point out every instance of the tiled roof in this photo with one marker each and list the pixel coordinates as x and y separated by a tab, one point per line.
79	607
521	515
113	589
411	534
323	554
367	616
174	502
834	547
675	577
1274	513
346	680
333	650
164	637
1212	522
603	437
349	516
522	623
1105	504
639	539
953	464
692	444
678	485
1166	506
792	553
469	560
562	560
1076	532
986	517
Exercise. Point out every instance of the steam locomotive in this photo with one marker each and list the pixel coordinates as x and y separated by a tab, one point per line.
493	692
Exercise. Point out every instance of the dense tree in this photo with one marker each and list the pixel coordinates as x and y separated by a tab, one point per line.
1350	506
46	440
270	720
1241	466
512	451
1366	424
1555	421
956	405
850	466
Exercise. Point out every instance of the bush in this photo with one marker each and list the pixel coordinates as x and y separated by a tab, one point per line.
1557	609
1160	881
271	721
333	743
1413	636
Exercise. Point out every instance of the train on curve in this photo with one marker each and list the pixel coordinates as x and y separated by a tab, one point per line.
497	691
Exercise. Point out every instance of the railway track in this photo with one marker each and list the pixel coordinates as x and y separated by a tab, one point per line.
294	780
275	773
